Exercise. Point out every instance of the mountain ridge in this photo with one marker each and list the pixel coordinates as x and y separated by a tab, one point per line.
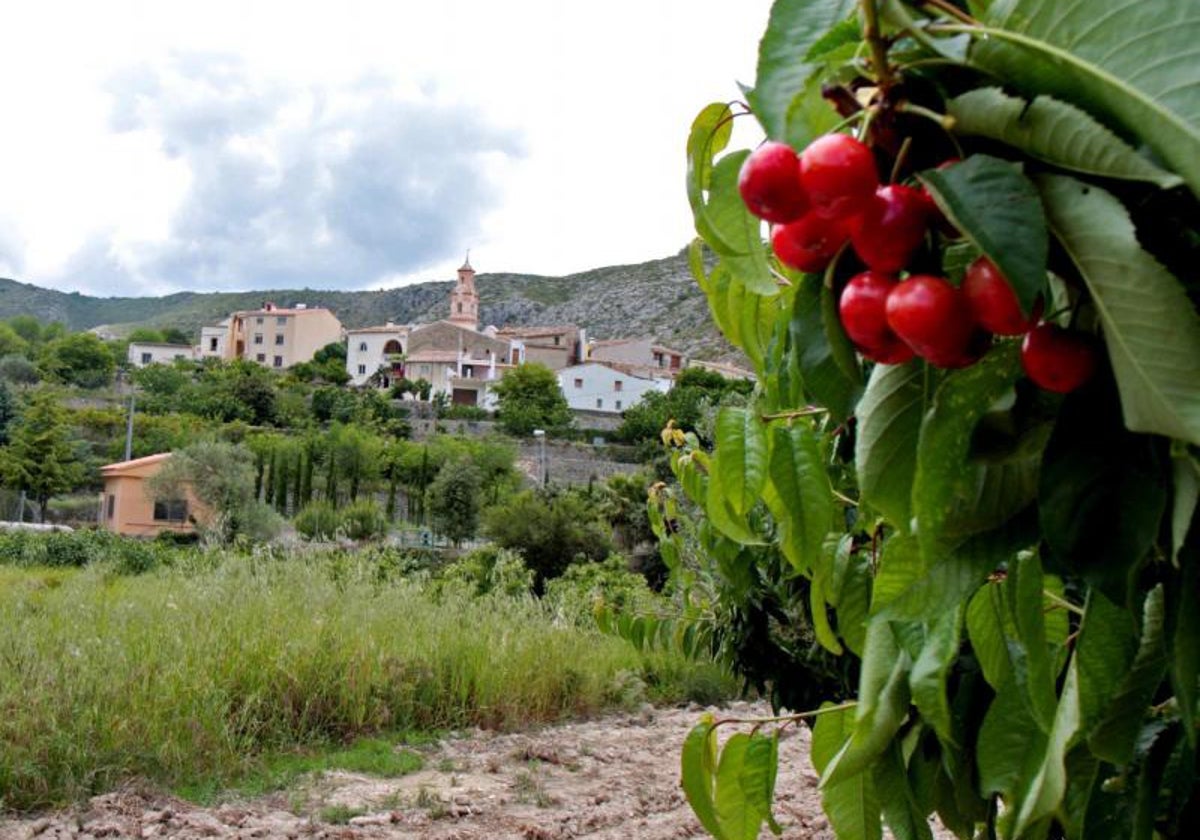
658	298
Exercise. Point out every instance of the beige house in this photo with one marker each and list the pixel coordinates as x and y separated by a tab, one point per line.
555	347
143	353
277	337
641	355
129	508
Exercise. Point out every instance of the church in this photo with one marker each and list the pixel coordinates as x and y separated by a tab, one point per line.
455	356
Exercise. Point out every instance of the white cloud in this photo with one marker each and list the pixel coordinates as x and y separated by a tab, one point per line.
201	145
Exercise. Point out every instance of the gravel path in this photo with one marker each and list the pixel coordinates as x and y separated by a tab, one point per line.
614	777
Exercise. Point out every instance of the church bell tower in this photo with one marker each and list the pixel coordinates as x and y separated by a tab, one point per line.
464	300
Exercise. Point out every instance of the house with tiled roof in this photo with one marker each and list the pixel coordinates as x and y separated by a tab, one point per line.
274	336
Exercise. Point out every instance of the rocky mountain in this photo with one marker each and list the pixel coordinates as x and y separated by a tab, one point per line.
657	298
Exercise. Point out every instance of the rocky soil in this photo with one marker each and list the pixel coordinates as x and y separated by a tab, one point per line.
614	777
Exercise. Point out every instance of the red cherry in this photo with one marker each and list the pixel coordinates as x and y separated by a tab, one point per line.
1056	359
838	173
809	243
894	352
931	317
937	218
770	183
862	309
891	228
992	300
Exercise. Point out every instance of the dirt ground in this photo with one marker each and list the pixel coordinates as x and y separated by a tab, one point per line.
614	777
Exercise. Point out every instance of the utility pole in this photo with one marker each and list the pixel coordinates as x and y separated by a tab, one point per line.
129	428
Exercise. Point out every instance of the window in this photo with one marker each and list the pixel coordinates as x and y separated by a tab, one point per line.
618	405
111	506
278	339
468	372
212	345
460	309
147	358
557	339
618	385
258	320
578	383
261	357
362	370
362	347
170	510
258	338
279	361
281	321
599	402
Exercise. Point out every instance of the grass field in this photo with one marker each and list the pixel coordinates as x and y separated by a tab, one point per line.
190	676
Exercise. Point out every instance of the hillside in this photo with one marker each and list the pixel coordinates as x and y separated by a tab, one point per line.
657	298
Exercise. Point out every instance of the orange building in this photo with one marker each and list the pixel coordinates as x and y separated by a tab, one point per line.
130	508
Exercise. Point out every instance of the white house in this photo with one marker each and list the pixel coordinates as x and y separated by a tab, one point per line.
596	386
373	349
142	353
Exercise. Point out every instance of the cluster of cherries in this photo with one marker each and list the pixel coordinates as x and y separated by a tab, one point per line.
830	194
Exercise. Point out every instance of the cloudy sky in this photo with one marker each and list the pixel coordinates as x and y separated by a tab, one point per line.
158	146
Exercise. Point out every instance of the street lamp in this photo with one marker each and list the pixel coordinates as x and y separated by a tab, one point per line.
540	434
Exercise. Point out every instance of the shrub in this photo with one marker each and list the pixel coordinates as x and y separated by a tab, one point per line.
363	520
486	570
317	521
574	596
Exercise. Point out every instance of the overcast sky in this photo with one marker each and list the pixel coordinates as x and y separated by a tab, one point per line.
158	146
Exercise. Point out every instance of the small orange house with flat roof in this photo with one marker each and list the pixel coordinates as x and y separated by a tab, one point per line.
130	508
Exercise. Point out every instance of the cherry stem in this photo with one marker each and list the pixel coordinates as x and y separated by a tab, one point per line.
873	36
792	415
952	10
1059	601
900	157
946	121
799	716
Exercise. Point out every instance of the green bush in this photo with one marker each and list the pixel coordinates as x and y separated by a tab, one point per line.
486	570
317	521
363	520
583	587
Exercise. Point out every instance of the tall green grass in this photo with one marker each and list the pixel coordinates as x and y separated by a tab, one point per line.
185	675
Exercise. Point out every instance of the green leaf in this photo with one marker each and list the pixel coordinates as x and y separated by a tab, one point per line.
931	672
1185	498
741	456
1114	737
852	806
698	764
882	704
825	381
1139	302
998	209
853	600
1185	646
1029	650
757	778
708	137
1134	65
794	27
1055	132
989	627
953	577
1105	650
1007	738
801	497
885	450
1045	791
945	478
900	810
900	567
1102	493
738	233
739	818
